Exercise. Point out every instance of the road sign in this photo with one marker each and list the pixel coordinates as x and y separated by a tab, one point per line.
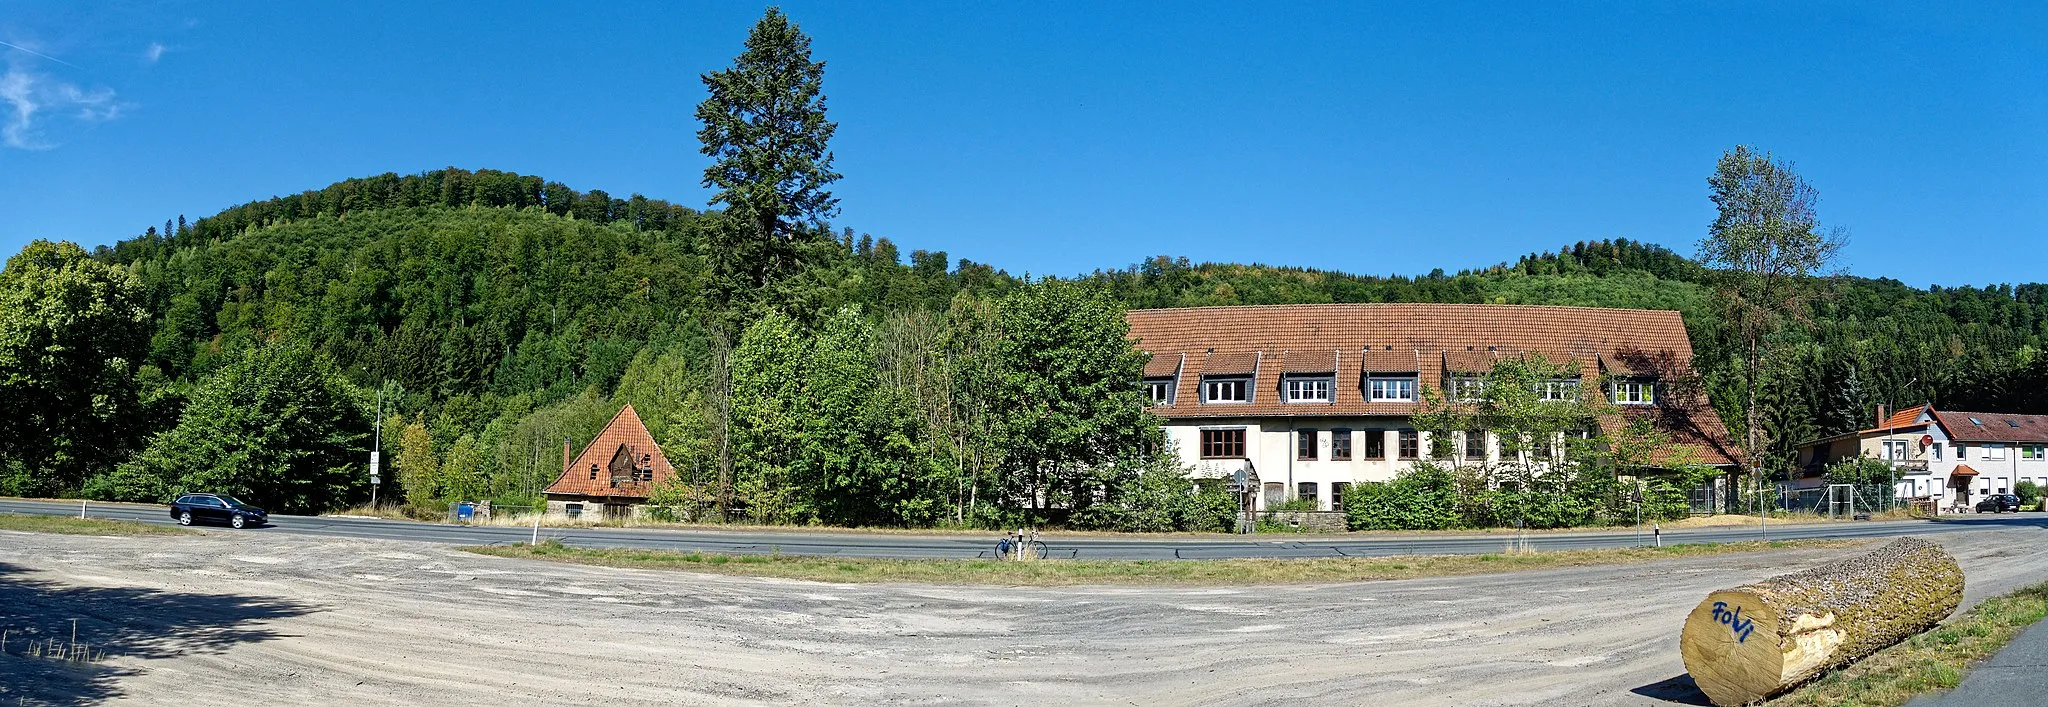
375	457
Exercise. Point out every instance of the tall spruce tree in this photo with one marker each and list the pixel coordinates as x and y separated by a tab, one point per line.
764	127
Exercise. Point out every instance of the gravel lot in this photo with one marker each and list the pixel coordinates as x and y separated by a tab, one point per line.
214	619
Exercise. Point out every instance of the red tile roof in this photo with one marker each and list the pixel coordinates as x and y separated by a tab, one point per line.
1902	420
1312	361
1424	339
624	434
1993	426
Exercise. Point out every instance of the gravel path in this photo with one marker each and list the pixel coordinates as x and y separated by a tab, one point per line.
302	620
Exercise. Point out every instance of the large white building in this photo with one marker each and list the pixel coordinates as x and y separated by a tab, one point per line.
1950	458
1309	399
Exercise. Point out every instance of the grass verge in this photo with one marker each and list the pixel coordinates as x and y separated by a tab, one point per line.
67	525
1933	660
1148	572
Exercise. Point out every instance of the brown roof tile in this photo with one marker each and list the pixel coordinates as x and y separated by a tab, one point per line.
1399	360
1994	427
1238	363
1311	361
1163	364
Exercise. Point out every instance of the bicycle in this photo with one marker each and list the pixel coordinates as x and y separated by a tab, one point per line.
1016	546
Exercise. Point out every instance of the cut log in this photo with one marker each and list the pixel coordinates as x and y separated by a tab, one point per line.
1744	644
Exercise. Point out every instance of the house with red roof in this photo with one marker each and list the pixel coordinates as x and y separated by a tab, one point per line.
1950	458
1306	400
614	475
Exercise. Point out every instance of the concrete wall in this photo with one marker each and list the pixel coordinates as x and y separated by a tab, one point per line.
1314	522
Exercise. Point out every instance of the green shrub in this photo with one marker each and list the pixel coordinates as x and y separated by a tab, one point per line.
1422	498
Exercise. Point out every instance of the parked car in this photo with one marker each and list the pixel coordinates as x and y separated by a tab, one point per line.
216	508
1999	503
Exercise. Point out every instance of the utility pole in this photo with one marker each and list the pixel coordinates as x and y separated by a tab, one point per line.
376	446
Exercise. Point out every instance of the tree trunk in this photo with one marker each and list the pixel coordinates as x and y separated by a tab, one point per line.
1744	644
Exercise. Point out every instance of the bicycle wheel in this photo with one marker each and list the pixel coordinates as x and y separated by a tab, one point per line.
1037	549
1003	549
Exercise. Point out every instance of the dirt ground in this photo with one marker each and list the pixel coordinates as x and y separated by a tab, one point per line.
221	618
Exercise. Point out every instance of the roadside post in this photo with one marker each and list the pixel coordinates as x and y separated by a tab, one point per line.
81	509
1657	531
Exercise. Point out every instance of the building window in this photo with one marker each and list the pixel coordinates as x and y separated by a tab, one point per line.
1225	390
1306	491
1223	444
1305	445
1392	389
1159	390
1475	445
1558	389
1994	452
1337	491
1544	450
1934	451
1309	390
1411	446
1896	450
1468	388
593	471
1635	392
2031	453
1340	445
1962	453
1375	444
575	510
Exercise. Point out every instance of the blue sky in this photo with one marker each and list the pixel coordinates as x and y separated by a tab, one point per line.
1058	138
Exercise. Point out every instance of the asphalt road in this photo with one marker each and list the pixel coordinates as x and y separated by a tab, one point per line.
900	545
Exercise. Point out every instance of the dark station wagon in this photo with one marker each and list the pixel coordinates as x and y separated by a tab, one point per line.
216	508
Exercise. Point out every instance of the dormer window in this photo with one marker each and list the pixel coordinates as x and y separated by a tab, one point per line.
1635	392
1557	389
1468	388
1309	389
1391	389
1159	391
1226	390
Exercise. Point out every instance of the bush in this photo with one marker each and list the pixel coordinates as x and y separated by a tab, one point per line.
2029	493
1422	498
1160	498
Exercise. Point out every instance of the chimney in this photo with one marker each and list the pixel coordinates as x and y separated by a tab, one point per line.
1880	415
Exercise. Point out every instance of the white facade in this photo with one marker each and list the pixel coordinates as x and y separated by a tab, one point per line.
1284	474
1927	457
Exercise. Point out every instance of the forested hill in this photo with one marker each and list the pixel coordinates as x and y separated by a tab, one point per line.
506	309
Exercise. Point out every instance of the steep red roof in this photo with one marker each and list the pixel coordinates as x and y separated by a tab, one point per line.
1906	419
1424	339
605	467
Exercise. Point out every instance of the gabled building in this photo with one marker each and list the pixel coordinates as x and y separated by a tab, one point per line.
1950	458
1312	398
614	475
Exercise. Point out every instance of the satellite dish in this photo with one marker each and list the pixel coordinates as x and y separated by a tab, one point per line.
1926	440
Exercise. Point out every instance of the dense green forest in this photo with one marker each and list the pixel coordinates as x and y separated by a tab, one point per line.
501	313
471	322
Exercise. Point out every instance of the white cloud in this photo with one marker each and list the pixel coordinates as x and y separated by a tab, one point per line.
33	99
154	52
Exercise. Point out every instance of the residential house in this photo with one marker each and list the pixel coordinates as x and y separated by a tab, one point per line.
1950	458
1309	399
615	474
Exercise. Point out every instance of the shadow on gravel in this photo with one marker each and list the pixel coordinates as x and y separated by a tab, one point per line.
1677	690
124	622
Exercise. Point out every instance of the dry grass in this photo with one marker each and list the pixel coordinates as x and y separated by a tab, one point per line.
1934	660
67	525
1144	572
